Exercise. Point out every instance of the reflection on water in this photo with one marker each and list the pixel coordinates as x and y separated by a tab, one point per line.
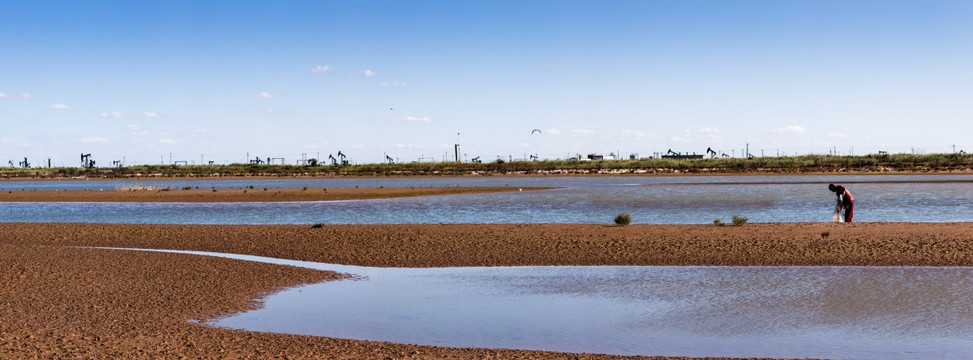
877	313
652	200
821	312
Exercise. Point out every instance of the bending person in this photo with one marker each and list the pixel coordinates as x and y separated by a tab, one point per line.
845	201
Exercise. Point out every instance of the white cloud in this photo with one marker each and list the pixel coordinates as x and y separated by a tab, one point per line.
58	107
167	141
369	73
321	69
264	95
136	130
838	135
20	96
394	84
554	132
413	119
790	129
582	132
124	115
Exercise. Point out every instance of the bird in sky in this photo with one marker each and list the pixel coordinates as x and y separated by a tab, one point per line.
535	130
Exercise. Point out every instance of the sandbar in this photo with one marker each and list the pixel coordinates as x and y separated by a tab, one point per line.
60	301
240	195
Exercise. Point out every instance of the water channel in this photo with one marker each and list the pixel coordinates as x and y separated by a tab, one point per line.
782	312
649	200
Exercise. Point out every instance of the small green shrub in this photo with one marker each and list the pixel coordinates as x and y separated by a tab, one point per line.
718	222
623	219
739	220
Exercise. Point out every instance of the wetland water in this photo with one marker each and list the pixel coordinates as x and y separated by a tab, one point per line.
649	199
820	312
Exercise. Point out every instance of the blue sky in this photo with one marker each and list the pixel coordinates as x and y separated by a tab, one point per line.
150	81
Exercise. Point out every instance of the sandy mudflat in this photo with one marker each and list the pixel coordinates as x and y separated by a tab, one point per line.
236	195
62	302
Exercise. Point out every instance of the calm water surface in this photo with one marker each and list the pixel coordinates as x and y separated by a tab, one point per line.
649	199
820	312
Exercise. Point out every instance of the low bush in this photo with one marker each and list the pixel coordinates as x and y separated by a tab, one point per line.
623	219
739	220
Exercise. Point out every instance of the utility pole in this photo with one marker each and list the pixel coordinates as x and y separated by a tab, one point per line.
456	149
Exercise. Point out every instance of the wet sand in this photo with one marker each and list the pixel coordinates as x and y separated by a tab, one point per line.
237	195
64	302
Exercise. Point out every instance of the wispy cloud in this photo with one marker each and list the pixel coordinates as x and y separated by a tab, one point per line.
835	135
58	107
322	69
582	132
124	115
369	73
18	96
394	84
136	130
554	132
414	119
790	129
264	95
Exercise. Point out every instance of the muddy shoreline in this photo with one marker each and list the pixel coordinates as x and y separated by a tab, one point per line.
240	195
60	301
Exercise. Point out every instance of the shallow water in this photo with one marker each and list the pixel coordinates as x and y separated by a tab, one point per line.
821	312
880	313
649	200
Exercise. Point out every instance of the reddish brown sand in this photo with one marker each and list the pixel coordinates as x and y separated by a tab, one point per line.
58	301
236	195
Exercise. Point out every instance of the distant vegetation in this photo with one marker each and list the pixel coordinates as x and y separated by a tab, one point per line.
623	219
739	220
902	163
